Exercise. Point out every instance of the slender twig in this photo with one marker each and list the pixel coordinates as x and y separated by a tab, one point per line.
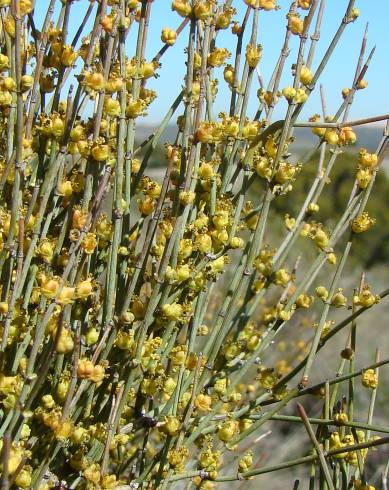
317	446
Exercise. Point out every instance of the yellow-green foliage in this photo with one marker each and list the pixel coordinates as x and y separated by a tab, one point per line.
141	316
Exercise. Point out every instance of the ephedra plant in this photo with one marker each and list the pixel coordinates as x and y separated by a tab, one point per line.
139	315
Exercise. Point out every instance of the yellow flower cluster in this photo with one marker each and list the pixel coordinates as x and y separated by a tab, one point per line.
143	287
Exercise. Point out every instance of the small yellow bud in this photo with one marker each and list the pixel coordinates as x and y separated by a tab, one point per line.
236	242
48	401
187	197
204	243
94	81
124	340
322	293
317	131
91	336
236	28
253	55
295	24
289	93
49	287
182	7
267	4
202	9
23	479
65	343
203	402
228	430
313	208
304	301
331	136
304	4
224	18
3	61
364	177
306	76
169	386
9	84
339	299
362	84
217	265
172	311
341	418
146	205
229	74
183	272
346	92
168	36
367	160
263	4
111	107
84	289
362	223
79	435
203	330
3	308
218	57
92	473
65	188
281	277
171	426
354	14
246	462
301	96
68	56
366	298
100	152
135	108
347	136
370	379
9	25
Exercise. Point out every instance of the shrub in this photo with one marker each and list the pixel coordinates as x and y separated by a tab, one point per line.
132	353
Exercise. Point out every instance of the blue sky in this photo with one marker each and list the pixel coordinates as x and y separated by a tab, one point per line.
339	73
